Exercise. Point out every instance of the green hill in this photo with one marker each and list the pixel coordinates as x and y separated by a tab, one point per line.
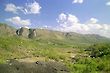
47	45
54	37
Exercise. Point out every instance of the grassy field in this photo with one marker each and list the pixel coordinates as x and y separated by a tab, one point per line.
79	55
76	59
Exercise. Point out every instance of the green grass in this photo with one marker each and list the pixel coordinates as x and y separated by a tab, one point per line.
16	47
57	47
99	64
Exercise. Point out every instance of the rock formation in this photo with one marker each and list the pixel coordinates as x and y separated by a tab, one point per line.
25	32
32	33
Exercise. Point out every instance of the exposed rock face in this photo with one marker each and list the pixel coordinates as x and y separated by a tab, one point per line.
19	32
32	33
68	35
25	32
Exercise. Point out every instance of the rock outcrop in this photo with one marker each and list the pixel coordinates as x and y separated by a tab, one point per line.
25	32
32	33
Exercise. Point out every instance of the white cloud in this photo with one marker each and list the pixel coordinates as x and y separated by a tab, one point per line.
108	3
62	17
17	20
34	8
93	20
70	23
78	1
28	8
47	27
31	8
67	20
72	19
12	8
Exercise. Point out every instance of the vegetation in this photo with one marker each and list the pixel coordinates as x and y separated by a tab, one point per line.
80	53
98	60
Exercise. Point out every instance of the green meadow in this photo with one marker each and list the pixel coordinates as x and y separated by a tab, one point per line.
79	53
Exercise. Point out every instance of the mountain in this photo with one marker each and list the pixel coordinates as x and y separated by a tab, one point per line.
51	36
6	30
26	50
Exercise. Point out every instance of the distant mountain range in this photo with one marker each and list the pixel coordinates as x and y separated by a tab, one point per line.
52	36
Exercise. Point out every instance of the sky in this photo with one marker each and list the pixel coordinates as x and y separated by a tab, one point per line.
81	16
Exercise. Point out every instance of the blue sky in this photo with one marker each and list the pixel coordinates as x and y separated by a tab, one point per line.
82	16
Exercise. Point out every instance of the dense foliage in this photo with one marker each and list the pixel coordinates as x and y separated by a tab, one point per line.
98	60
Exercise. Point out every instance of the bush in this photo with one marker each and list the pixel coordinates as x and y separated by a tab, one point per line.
99	50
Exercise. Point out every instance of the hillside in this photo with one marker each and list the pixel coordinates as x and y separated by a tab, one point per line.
6	30
50	36
70	37
78	52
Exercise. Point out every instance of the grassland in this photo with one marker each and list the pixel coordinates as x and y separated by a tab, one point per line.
79	53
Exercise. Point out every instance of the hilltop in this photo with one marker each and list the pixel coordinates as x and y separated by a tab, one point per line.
52	36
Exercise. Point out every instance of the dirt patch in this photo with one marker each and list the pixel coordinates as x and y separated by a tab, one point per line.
15	66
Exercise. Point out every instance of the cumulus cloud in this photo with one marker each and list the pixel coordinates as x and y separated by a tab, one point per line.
17	20
62	17
78	1
67	20
32	8
12	8
108	3
28	8
93	20
70	23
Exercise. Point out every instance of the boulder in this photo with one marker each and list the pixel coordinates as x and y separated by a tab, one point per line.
32	33
25	32
22	32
